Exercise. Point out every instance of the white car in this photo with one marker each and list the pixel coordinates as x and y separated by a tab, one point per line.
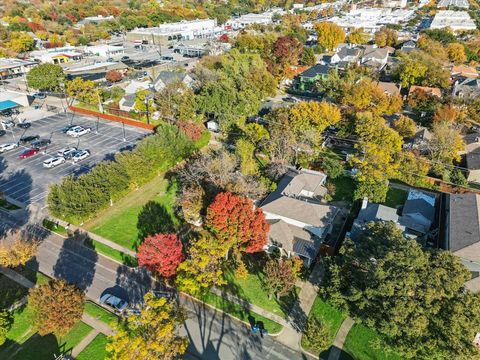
80	155
78	131
67	153
7	124
54	161
7	147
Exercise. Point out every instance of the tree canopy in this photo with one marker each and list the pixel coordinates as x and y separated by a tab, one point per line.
46	77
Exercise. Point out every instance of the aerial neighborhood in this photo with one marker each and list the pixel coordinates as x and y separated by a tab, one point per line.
224	180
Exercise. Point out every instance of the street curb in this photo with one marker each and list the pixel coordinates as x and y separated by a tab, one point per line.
223	312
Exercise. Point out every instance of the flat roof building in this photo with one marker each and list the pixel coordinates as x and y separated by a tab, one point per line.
453	3
13	66
243	21
455	20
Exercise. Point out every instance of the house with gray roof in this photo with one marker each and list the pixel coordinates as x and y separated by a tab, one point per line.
347	55
374	57
462	232
299	221
167	77
468	88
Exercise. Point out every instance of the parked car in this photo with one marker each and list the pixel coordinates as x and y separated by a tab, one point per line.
117	304
29	152
28	139
67	153
7	112
66	128
8	147
125	57
78	131
80	155
7	124
24	125
54	161
39	95
41	143
2	132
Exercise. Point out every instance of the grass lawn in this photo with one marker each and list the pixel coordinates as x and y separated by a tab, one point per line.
240	313
344	188
395	197
361	344
329	315
74	336
52	226
119	223
99	313
252	290
10	292
203	141
95	350
111	253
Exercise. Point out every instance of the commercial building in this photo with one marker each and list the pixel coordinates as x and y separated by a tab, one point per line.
453	3
105	50
243	21
57	55
184	30
455	20
14	67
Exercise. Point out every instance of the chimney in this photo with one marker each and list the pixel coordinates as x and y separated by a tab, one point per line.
364	203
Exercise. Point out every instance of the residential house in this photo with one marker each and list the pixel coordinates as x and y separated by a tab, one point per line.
374	57
299	222
462	232
463	72
390	88
419	141
408	46
127	102
168	77
468	88
305	81
346	55
472	156
15	67
425	89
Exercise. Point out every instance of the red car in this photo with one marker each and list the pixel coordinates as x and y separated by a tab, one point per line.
29	152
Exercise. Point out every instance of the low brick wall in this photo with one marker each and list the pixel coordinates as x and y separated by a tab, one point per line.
111	117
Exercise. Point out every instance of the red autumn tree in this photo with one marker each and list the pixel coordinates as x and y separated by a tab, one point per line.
161	253
287	51
234	220
113	76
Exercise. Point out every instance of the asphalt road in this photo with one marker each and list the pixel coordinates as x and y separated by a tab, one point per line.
212	334
27	181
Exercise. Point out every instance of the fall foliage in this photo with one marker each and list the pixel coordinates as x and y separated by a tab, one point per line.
18	252
161	253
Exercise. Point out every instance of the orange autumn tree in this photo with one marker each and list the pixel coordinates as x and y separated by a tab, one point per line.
236	222
161	253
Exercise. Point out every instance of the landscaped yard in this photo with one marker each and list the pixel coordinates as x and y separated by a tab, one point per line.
120	223
95	350
111	253
99	313
240	313
362	343
10	292
330	316
344	188
395	197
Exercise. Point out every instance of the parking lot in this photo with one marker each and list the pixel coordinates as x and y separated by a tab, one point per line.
27	181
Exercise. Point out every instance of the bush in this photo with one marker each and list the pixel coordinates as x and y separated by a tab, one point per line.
316	335
78	199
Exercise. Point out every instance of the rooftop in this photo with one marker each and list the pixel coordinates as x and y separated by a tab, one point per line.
464	220
453	3
456	20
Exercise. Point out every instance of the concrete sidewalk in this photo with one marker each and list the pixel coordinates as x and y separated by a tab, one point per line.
340	339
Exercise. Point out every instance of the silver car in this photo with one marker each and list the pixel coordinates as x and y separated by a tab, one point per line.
80	155
8	147
54	161
67	153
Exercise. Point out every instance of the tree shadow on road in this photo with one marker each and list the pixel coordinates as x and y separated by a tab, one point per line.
75	262
136	282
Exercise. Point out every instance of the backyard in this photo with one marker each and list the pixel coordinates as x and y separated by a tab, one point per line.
395	197
138	213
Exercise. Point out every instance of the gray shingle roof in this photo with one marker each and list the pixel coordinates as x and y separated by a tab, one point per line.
315	70
464	220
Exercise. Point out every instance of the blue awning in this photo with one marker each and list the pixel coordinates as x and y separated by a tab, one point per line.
8	104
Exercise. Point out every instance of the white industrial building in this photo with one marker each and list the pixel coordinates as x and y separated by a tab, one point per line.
183	30
14	67
455	20
371	19
243	21
105	50
453	3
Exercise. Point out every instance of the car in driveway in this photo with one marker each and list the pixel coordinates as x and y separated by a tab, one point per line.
80	155
24	125
54	161
40	143
114	302
8	147
29	152
67	153
78	131
28	139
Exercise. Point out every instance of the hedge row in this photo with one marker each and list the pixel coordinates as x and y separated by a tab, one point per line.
78	199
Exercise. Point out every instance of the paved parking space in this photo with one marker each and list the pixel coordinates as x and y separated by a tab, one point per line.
27	181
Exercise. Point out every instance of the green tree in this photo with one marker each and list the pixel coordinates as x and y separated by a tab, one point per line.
5	325
386	37
316	335
308	57
279	277
358	36
445	146
152	334
333	167
46	77
405	126
245	152
329	35
56	307
176	102
83	90
144	102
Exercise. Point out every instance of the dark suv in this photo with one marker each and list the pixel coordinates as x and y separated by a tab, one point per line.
41	143
28	139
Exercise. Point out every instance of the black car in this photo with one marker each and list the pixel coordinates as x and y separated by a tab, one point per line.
66	128
41	143
28	139
24	125
125	58
2	132
7	112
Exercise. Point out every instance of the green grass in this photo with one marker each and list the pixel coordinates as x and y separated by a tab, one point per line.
21	327
344	188
362	343
252	290
74	336
52	226
395	197
10	292
111	253
9	206
240	313
99	313
119	223
203	141
95	350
